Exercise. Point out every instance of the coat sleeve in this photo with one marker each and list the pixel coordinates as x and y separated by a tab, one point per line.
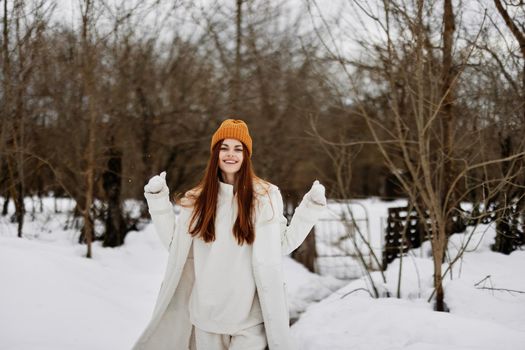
304	218
162	214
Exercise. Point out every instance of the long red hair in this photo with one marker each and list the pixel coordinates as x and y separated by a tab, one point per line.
205	195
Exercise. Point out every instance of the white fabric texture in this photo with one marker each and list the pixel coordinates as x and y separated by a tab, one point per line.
170	327
156	183
224	298
253	338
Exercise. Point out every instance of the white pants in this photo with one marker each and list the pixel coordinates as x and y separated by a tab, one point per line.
253	338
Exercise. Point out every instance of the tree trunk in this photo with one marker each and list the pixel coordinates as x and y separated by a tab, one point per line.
11	146
147	128
306	253
504	235
447	171
447	91
89	155
237	73
88	178
438	248
438	283
5	206
115	223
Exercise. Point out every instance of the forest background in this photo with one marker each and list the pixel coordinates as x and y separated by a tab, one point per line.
423	100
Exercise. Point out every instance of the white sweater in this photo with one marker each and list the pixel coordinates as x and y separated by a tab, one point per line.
224	299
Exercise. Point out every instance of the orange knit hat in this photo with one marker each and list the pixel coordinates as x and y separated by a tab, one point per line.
233	129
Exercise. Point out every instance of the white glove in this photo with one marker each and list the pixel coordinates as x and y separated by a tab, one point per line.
156	183
316	194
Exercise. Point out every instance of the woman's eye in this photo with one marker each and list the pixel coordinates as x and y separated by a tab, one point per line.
236	149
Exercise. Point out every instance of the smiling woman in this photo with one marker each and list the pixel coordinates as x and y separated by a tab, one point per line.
231	157
223	287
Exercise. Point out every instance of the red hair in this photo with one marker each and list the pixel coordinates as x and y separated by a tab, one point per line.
204	198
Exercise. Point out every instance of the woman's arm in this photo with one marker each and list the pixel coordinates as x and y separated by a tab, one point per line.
162	214
304	218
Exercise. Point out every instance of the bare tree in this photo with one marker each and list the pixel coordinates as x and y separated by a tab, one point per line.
92	114
413	116
513	15
23	26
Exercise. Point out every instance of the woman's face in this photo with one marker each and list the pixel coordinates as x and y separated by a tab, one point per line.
230	156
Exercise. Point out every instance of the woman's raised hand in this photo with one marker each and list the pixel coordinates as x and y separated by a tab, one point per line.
156	183
317	194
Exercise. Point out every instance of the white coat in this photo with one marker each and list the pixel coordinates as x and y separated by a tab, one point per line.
170	326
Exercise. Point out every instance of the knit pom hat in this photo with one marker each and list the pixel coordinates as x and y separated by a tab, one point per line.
233	129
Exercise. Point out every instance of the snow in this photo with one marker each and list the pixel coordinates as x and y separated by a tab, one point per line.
52	297
478	319
57	299
304	287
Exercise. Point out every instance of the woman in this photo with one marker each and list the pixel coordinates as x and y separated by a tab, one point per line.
223	287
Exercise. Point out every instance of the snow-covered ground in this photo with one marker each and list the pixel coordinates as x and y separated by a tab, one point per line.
478	318
51	297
